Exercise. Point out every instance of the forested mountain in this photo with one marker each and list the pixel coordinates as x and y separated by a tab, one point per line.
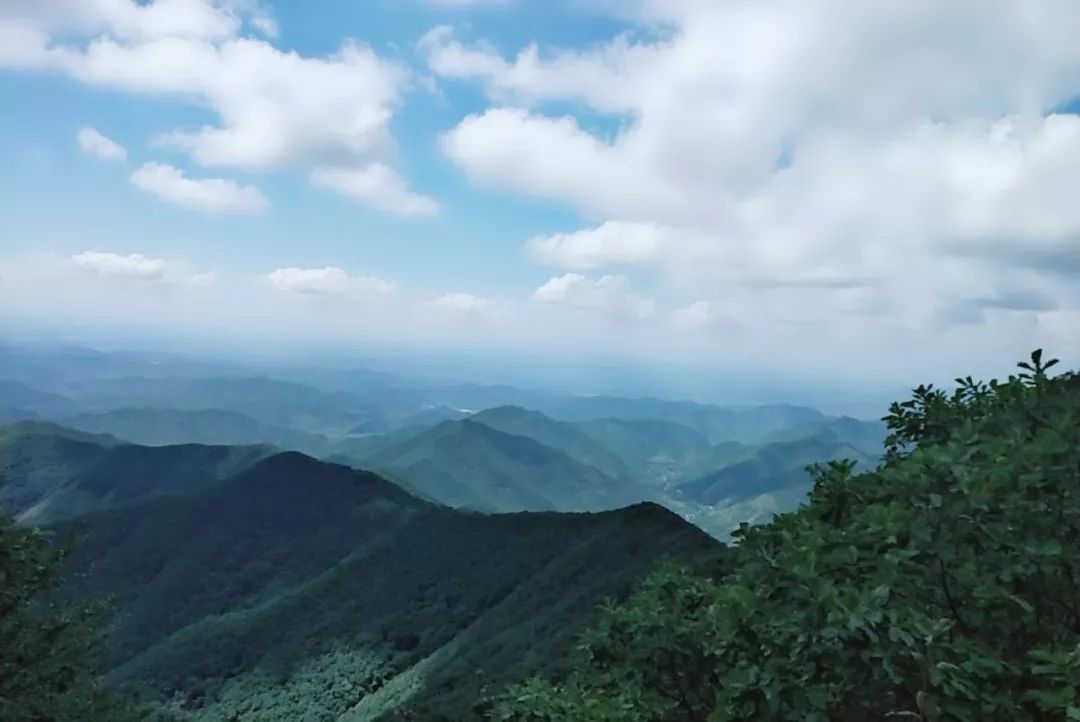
470	464
53	473
248	583
748	425
655	451
595	452
567	438
298	587
774	467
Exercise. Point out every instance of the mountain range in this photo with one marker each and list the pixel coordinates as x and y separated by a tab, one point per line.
268	585
353	545
463	445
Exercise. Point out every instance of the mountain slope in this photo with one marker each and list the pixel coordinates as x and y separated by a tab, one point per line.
159	427
750	425
271	402
645	442
469	464
776	467
53	473
307	588
866	436
567	438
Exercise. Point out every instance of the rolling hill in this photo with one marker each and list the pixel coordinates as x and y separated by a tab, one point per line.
644	443
748	425
161	427
298	589
53	473
472	465
772	468
567	438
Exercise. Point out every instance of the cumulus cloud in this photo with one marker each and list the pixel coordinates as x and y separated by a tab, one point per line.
266	25
801	166
328	281
134	265
377	185
214	195
607	294
92	142
132	20
273	108
137	267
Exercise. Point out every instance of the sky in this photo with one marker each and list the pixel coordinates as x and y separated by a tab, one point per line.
873	191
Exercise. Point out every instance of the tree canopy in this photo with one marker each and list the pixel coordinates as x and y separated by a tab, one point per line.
942	586
48	650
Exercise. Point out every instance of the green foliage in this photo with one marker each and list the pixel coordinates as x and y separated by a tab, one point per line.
48	651
942	586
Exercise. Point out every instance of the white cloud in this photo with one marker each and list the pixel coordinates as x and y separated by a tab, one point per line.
266	25
377	185
619	243
607	294
510	148
137	267
328	281
134	265
800	166
698	313
92	142
273	108
214	195
131	20
467	303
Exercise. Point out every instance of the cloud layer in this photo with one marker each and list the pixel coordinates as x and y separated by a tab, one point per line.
830	167
767	180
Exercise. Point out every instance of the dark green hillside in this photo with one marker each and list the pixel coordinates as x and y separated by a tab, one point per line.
305	588
284	519
53	473
159	427
774	467
469	464
561	436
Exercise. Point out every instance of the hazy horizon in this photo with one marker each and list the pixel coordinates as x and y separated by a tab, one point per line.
565	375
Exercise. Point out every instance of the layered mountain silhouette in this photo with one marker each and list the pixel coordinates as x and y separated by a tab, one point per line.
247	584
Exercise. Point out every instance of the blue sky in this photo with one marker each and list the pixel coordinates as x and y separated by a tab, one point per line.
476	239
702	181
